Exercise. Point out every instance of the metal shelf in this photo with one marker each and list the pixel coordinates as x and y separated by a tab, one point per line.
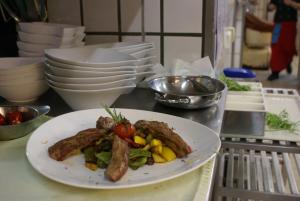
257	170
260	168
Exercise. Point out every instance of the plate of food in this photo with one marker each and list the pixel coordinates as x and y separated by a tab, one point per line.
119	148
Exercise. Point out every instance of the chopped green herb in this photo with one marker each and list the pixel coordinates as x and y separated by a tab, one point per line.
103	159
232	85
138	158
139	162
281	121
135	153
89	154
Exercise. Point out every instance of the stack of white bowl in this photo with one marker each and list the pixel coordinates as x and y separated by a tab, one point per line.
35	37
22	79
96	75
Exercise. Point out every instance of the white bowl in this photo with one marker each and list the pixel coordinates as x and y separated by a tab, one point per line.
87	99
32	47
48	39
145	60
123	46
30	54
51	29
10	63
87	80
143	53
19	65
105	85
127	45
144	68
93	57
22	77
132	50
80	73
27	92
87	68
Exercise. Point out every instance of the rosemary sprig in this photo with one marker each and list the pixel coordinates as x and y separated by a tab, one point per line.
118	118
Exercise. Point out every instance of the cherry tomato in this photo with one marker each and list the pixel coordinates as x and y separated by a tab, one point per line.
124	130
2	120
14	117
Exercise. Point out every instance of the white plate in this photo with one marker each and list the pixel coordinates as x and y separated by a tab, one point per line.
204	143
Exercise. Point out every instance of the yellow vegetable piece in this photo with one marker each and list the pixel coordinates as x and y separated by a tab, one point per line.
147	147
168	153
158	159
157	149
91	166
139	140
155	142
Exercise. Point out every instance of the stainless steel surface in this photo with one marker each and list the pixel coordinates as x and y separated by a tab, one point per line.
252	169
188	92
244	123
30	115
143	99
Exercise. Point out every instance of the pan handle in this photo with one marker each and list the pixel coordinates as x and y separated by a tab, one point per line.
42	109
163	99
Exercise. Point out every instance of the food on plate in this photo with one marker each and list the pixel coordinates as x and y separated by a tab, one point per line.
233	85
281	121
161	131
118	164
70	146
116	144
11	118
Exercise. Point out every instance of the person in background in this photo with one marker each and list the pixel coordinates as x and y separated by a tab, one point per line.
292	4
283	37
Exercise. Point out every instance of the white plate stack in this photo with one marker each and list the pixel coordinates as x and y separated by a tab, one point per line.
22	79
96	75
35	37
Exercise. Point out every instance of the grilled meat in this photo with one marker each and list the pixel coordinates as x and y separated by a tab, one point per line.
106	123
162	131
119	160
67	147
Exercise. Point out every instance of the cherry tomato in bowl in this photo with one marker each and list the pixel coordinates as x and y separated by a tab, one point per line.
14	117
20	120
2	120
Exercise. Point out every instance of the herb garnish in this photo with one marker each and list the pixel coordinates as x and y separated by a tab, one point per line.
232	85
281	121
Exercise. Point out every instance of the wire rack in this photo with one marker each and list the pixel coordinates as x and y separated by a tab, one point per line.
253	169
256	169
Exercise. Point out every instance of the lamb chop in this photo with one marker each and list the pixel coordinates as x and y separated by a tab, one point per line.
162	131
67	147
119	161
106	123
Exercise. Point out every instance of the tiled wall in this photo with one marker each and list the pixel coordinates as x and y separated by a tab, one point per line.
175	26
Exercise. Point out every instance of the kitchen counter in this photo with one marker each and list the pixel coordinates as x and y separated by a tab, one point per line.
19	181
